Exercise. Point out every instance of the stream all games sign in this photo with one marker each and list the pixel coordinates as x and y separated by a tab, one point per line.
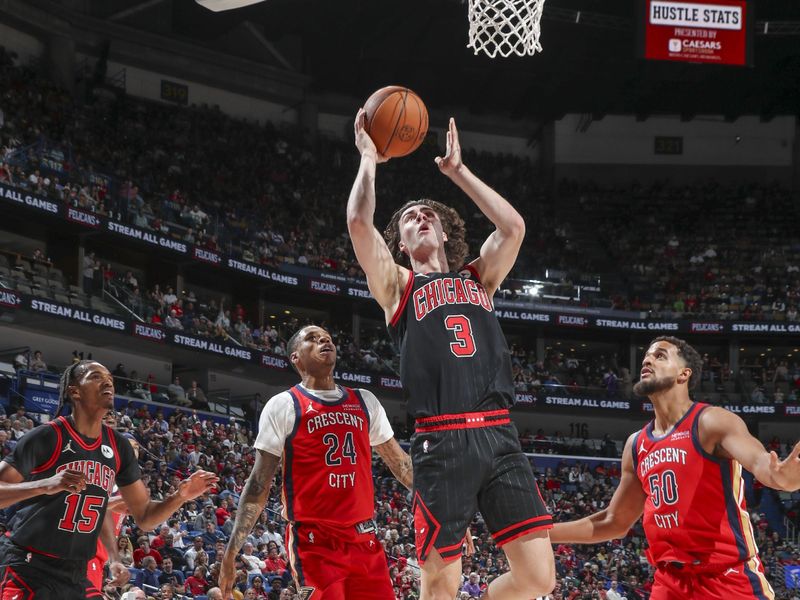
710	31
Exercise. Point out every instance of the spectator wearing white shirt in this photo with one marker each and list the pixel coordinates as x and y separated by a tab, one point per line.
251	562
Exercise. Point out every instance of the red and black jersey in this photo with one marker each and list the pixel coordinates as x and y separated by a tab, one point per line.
695	512
68	525
327	461
453	355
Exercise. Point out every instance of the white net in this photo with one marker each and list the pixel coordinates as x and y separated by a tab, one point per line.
505	27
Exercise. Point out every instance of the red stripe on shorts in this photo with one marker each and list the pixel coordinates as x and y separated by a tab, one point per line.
474	420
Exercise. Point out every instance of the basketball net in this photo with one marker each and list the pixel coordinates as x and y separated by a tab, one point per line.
505	27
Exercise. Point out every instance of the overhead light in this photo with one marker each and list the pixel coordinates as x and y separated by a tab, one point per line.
532	290
220	5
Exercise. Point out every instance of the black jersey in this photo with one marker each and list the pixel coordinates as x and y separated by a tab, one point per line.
68	525
453	355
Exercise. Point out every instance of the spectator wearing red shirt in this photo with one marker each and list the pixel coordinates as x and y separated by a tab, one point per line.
143	550
275	565
160	539
197	583
222	512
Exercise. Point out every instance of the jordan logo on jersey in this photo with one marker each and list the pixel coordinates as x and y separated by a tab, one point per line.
310	408
68	447
642	448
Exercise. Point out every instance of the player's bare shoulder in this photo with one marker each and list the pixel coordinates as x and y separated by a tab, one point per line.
713	424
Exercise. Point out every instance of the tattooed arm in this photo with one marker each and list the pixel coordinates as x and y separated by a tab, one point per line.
398	461
251	503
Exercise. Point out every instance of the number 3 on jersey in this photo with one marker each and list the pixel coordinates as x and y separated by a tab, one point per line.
464	346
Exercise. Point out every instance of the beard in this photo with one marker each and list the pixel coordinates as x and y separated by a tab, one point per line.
646	387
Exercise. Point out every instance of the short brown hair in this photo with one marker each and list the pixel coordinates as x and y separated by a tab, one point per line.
452	225
689	355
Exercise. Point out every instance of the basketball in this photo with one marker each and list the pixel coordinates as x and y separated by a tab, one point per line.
396	120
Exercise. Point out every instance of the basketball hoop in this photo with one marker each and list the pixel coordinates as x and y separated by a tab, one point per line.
505	27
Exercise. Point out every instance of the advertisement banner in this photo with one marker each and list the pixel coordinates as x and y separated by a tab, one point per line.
186	340
709	31
41	401
83	218
23	198
149	237
73	313
10	299
322	282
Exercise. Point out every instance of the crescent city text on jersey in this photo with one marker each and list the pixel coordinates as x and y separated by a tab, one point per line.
95	472
659	456
328	419
449	290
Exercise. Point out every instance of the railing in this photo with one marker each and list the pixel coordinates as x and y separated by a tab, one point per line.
119	80
790	530
116	300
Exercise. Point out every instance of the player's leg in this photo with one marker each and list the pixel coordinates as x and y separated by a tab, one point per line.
439	579
316	567
671	584
447	476
532	569
745	581
369	574
517	518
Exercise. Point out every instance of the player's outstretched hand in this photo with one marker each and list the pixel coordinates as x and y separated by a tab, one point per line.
451	163
786	473
198	484
119	574
227	576
364	143
67	480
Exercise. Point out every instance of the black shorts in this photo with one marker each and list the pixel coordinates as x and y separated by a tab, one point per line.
26	575
470	462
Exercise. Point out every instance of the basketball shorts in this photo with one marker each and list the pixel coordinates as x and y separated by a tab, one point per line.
743	581
29	576
466	463
95	572
334	563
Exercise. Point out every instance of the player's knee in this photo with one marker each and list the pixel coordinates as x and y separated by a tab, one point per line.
440	587
536	582
443	592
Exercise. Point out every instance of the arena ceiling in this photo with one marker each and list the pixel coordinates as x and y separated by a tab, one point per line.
352	47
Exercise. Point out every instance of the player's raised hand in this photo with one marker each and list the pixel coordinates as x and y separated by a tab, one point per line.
786	473
197	484
451	162
119	574
227	576
67	480
364	143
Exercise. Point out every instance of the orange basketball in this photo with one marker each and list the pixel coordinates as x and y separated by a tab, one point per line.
396	120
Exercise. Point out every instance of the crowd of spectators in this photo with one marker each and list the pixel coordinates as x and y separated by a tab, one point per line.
180	558
175	170
704	251
152	166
